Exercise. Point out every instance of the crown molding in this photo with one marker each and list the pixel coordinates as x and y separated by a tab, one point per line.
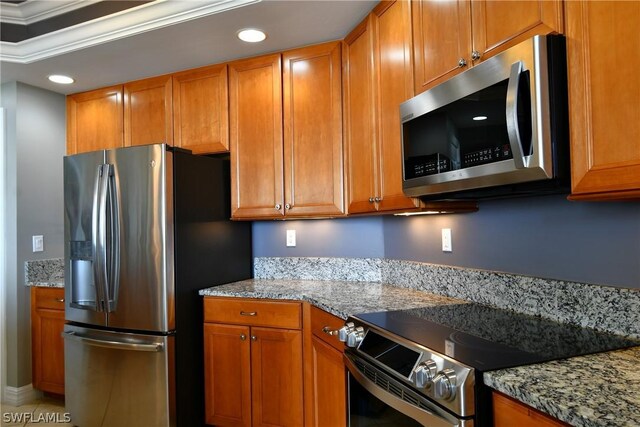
137	20
33	11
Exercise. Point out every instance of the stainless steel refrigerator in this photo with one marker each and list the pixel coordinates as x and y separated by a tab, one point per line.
145	228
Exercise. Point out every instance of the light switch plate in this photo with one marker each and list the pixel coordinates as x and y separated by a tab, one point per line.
446	240
38	243
291	238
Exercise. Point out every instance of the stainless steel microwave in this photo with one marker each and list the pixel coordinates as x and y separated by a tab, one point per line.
498	129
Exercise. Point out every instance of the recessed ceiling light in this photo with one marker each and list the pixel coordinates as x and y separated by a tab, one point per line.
251	35
59	78
478	118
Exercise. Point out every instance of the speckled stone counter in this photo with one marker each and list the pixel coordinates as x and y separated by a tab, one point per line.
336	297
595	390
45	272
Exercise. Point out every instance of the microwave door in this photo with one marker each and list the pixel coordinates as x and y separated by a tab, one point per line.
140	260
83	188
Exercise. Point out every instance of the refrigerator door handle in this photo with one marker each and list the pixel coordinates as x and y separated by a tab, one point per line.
97	239
119	345
113	243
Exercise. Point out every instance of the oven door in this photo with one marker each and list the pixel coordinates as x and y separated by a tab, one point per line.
377	399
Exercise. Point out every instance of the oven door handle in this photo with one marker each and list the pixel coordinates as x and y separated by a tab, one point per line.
423	416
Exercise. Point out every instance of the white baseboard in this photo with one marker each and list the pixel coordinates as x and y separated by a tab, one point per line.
17	396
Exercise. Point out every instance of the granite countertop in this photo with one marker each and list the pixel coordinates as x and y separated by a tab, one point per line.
339	298
595	390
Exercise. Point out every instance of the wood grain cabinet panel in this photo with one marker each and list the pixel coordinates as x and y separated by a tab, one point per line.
442	40
313	152
255	117
47	325
253	374
377	78
201	109
148	118
509	412
95	120
604	94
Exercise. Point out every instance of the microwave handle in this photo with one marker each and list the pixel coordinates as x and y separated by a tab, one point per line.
513	130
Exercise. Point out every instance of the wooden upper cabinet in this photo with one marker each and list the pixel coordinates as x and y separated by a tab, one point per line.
392	55
255	118
148	118
498	24
441	40
604	94
313	153
360	117
95	120
201	109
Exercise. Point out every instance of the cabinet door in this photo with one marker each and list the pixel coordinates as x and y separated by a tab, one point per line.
442	40
313	131
201	109
47	344
498	24
255	107
360	117
392	21
329	385
227	375
147	112
508	412
604	111
276	370
94	120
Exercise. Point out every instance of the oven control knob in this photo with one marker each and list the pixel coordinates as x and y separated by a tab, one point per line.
424	373
354	338
345	331
445	384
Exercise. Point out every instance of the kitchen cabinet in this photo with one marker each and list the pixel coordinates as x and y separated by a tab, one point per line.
509	412
255	132
313	154
604	112
253	362
148	118
47	324
95	120
325	375
377	77
450	36
201	109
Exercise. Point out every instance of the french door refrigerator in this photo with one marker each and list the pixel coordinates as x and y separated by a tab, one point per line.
145	228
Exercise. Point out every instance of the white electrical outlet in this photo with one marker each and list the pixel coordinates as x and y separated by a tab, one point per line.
38	243
446	240
291	238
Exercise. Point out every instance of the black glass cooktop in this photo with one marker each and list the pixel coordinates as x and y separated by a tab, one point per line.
487	338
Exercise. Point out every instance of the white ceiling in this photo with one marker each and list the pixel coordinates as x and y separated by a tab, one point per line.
201	41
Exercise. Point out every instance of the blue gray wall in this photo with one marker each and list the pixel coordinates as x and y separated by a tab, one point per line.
546	237
35	146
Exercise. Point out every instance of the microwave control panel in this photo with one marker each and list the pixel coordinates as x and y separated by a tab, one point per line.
487	155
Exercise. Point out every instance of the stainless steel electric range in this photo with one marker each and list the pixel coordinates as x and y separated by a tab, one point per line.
423	367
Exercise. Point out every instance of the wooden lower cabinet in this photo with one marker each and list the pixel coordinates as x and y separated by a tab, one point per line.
325	375
47	345
253	374
508	412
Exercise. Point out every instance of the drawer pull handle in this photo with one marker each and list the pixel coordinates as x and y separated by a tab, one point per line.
327	330
60	299
248	313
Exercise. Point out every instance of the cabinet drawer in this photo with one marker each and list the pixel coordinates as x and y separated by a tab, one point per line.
320	320
252	312
51	298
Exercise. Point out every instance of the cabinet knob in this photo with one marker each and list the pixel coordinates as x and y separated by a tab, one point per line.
475	55
327	330
370	199
243	337
377	199
287	206
60	299
278	206
462	62
254	338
